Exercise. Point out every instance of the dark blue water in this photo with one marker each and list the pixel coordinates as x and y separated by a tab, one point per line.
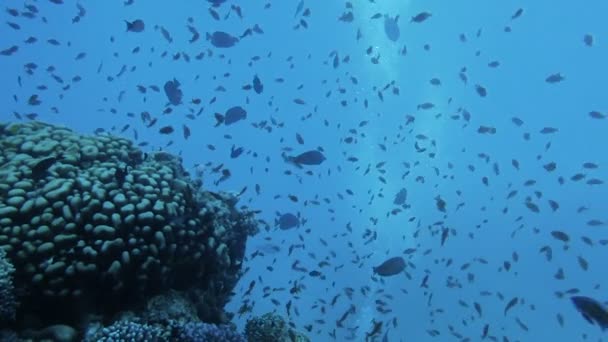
474	66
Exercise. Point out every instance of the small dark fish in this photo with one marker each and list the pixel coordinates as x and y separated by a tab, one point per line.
375	331
14	26
258	87
186	131
235	152
425	105
135	25
494	64
548	130
347	17
517	13
486	130
9	51
592	310
510	304
216	3
120	175
391	28
287	221
174	94
555	78
222	39
166	130
195	34
596	115
517	121
312	157
481	91
299	8
13	12
390	267
233	114
590	165
166	34
214	14
43	165
420	17
400	197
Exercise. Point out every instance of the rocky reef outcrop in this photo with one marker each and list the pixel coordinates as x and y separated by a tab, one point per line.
91	225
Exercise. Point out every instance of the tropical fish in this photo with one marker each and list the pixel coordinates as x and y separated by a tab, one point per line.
135	25
390	267
593	311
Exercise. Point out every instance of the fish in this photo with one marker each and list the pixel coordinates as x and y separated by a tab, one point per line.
9	51
235	152
420	17
555	78
43	165
400	197
137	25
214	14
312	157
375	331
195	34
120	175
186	132
216	3
174	94
390	267
510	305
287	221
517	13
233	115
391	27
592	310
222	39
166	130
347	17
299	8
258	87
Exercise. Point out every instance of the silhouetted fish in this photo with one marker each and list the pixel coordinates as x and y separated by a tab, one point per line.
287	221
391	28
593	311
43	165
312	157
390	267
135	25
174	94
222	39
232	115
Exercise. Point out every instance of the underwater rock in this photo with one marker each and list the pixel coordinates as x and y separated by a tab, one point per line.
8	304
83	240
271	327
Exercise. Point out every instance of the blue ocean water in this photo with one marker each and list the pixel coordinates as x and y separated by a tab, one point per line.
346	79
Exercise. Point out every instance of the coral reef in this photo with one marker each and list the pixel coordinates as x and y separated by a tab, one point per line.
8	303
199	331
95	225
172	306
271	327
126	331
166	317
